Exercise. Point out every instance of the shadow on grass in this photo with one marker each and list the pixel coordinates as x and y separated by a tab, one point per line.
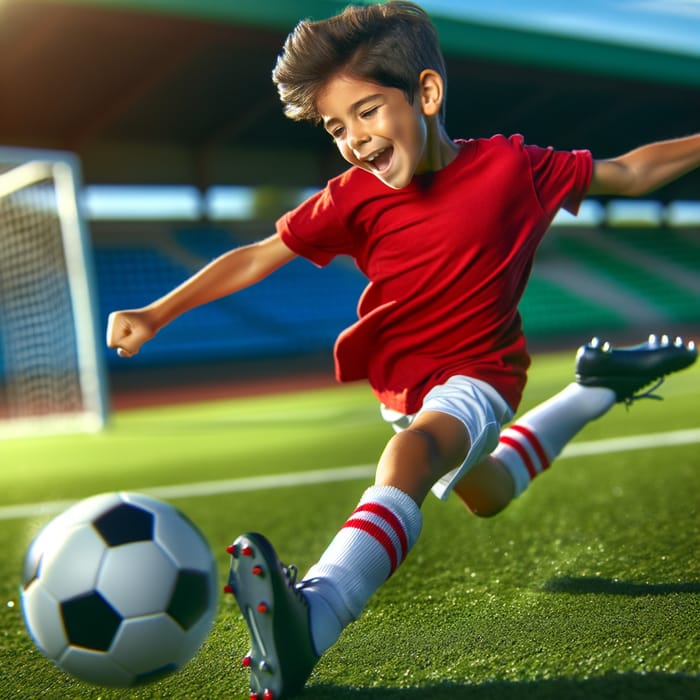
595	584
624	686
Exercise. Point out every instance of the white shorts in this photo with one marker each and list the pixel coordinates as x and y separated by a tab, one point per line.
481	409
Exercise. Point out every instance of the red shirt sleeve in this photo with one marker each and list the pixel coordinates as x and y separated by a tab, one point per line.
560	178
315	229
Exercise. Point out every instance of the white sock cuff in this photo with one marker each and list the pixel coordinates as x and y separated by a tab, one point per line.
401	505
530	445
515	467
369	547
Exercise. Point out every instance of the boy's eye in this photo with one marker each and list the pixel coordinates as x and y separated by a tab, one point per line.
337	132
369	112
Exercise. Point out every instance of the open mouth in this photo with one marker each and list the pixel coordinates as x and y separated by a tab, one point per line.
380	160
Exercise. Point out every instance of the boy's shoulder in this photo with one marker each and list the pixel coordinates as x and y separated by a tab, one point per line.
469	148
496	142
355	187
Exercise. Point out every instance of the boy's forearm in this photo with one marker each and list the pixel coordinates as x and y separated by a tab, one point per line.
212	282
227	274
647	168
666	161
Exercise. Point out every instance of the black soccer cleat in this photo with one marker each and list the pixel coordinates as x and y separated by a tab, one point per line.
628	370
282	653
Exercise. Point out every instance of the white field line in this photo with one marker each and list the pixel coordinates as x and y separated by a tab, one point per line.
326	476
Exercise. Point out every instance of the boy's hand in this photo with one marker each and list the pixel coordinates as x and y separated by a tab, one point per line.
127	331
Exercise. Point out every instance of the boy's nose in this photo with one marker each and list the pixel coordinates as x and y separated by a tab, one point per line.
358	137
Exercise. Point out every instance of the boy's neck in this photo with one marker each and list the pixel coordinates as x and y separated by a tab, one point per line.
440	149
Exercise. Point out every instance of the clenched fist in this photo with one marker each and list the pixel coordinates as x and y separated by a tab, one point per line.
127	331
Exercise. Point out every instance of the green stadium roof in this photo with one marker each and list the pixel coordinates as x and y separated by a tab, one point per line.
652	40
179	91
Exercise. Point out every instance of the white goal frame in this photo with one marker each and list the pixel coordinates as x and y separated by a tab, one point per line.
22	168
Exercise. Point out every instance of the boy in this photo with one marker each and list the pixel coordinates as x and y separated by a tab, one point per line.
446	231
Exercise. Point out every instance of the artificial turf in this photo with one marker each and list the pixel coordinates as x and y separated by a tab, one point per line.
588	586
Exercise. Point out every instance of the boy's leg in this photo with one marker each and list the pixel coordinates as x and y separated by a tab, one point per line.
292	624
604	377
527	447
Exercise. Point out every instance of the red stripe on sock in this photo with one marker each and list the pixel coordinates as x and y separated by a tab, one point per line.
534	441
391	519
522	453
379	535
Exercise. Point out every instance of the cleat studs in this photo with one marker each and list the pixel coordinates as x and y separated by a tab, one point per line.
595	342
653	340
678	342
253	695
228	589
247	551
606	347
246	661
268	695
665	340
262	608
691	345
231	549
257	570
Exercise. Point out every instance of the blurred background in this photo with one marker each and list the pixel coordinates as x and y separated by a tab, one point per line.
169	106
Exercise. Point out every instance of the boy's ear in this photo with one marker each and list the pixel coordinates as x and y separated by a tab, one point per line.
432	92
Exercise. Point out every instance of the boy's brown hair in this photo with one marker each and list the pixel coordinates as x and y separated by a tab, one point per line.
388	44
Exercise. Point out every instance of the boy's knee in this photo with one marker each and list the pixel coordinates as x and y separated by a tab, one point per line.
411	462
486	489
415	448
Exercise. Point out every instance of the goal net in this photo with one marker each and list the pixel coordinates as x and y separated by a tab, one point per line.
51	374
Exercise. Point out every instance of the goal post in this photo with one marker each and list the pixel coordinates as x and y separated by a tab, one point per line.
52	376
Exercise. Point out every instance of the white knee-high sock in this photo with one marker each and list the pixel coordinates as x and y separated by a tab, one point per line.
528	446
367	550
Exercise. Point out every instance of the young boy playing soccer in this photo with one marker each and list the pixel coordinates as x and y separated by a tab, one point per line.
445	230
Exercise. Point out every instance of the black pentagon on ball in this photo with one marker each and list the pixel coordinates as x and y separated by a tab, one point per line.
190	598
125	523
90	621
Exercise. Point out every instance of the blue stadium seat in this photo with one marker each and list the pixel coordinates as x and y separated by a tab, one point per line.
301	308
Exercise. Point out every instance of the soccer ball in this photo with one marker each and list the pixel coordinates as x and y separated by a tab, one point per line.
119	589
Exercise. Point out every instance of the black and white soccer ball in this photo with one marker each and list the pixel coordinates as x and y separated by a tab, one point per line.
119	589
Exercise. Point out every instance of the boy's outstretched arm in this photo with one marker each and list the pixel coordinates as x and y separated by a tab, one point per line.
241	267
646	168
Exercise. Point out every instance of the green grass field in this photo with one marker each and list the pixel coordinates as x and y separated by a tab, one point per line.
588	586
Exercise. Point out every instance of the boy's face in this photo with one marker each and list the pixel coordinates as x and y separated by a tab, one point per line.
375	128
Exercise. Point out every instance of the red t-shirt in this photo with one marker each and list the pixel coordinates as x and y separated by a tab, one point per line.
447	258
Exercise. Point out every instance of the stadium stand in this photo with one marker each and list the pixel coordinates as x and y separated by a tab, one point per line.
584	282
298	309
